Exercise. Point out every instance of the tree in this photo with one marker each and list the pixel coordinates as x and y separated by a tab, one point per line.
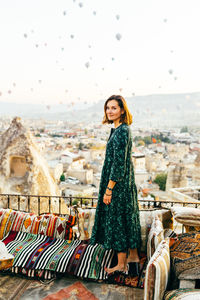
161	180
184	129
62	177
80	146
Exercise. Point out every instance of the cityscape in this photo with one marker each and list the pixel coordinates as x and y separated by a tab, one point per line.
69	156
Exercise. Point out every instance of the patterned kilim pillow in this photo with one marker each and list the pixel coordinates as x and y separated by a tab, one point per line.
47	225
157	272
69	224
185	252
27	222
50	222
18	220
156	235
4	221
36	224
183	294
86	221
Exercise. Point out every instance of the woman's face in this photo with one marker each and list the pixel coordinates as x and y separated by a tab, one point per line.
113	110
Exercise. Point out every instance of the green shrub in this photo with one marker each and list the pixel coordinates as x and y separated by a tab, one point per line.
161	180
62	177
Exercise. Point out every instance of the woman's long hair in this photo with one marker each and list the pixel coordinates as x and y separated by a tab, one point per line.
126	117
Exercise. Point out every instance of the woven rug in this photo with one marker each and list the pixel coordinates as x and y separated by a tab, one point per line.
12	287
73	288
185	252
39	252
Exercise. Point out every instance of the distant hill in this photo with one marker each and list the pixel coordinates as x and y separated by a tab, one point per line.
164	110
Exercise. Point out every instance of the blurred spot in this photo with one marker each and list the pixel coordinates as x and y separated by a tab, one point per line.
45	44
154	140
89	46
14	84
66	91
31	89
87	64
36	45
133	94
94	13
40	81
170	71
103	69
48	106
90	57
118	36
80	4
113	58
165	20
62	49
0	93
25	35
120	89
187	97
117	17
175	78
71	36
9	92
127	78
64	12
85	102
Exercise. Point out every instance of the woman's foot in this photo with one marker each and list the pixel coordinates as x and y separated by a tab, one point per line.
119	268
133	259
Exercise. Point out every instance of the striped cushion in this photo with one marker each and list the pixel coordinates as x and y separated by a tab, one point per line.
156	235
157	272
186	215
183	294
146	219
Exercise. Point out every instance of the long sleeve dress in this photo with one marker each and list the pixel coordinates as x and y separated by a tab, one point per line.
117	225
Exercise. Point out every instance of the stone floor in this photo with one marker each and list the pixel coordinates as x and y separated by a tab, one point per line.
63	288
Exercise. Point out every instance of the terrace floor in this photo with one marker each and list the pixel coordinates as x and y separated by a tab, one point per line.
13	287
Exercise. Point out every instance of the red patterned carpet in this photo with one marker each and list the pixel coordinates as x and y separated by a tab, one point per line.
75	291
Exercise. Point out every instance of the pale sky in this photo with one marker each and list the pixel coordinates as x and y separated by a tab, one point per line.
66	51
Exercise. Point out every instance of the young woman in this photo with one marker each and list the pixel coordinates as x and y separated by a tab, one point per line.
117	223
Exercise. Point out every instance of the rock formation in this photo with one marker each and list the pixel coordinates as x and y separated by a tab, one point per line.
23	170
176	176
196	170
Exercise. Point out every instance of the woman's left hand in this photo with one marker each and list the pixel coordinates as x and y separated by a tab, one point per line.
107	199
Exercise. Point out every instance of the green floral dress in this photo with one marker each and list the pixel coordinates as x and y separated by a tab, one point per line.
117	225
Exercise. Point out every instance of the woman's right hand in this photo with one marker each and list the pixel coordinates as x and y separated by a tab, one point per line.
107	199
